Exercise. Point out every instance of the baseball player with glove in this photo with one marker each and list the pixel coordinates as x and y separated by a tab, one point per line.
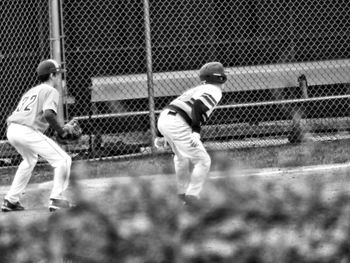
36	111
179	125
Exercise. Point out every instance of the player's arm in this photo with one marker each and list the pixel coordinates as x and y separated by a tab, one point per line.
199	109
51	118
50	106
158	134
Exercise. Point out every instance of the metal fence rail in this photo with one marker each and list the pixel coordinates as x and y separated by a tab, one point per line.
289	64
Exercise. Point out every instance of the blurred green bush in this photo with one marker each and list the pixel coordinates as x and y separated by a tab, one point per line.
240	220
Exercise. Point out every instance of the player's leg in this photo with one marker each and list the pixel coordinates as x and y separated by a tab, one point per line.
22	176
180	134
182	172
18	136
60	161
202	162
181	163
182	169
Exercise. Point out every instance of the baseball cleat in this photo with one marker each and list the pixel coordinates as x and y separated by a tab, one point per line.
57	204
7	206
181	197
192	201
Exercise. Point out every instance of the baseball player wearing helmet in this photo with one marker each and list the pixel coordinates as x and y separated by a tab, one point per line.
36	111
179	125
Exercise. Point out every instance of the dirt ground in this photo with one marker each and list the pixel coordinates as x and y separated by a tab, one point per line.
35	199
286	163
270	156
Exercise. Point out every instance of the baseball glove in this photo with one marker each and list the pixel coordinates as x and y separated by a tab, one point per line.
73	133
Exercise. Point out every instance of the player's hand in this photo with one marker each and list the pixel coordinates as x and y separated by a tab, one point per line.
160	143
70	133
63	133
195	139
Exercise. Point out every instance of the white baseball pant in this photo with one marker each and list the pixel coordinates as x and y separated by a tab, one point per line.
30	143
178	135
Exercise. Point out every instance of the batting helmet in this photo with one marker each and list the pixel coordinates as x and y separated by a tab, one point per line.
213	72
47	67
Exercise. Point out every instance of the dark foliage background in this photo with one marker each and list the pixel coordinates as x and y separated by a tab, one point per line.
241	219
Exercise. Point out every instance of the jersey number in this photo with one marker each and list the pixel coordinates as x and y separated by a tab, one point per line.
26	103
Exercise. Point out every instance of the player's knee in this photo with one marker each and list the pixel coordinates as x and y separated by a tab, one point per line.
207	161
68	161
29	164
65	162
204	161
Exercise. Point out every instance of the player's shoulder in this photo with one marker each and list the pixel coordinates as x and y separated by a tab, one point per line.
209	88
45	88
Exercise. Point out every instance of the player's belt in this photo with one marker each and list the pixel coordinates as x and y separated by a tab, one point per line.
175	109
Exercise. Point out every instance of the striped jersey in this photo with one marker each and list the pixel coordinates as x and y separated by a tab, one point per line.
209	94
30	109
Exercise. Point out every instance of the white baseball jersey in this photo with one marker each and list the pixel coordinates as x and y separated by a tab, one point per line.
209	94
177	132
32	105
25	132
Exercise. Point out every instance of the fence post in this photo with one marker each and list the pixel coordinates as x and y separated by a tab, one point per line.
55	46
303	86
150	86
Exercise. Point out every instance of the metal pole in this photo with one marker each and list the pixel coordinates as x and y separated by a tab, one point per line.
150	86
63	63
55	39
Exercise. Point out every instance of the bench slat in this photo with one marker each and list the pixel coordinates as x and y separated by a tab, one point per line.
112	88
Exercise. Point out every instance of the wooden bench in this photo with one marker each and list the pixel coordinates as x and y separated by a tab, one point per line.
111	89
125	87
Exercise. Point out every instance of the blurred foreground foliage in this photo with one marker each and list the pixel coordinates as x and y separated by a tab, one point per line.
240	219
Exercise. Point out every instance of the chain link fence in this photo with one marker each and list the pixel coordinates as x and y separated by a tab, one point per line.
24	42
288	63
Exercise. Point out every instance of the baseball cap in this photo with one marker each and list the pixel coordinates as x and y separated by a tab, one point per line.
213	72
48	66
212	68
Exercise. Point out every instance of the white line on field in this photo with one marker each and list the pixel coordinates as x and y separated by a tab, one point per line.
267	172
263	172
